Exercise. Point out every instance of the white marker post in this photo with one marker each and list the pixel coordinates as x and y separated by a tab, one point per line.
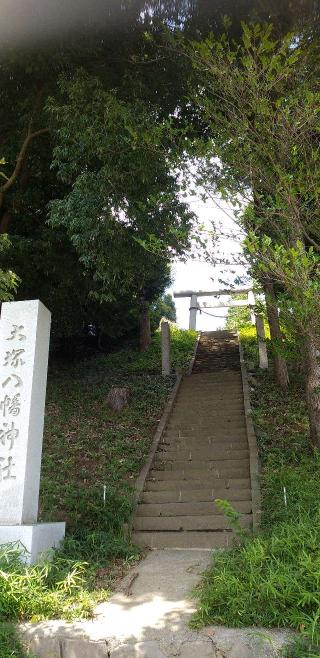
165	348
263	354
24	348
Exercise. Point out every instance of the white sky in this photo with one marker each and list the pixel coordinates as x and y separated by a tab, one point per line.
196	275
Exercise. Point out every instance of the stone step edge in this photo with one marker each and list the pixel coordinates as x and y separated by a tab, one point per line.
208	540
229	482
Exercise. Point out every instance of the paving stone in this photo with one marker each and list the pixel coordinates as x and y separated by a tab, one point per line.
255	649
43	647
186	540
201	649
140	650
83	649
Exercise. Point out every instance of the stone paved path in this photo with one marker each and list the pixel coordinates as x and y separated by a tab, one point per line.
150	620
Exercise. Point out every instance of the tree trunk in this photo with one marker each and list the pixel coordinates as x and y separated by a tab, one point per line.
280	365
5	221
313	387
145	332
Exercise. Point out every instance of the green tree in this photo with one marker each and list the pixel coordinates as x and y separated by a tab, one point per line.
9	280
260	99
163	307
122	211
238	316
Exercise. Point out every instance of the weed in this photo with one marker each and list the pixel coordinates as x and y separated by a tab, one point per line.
10	645
302	649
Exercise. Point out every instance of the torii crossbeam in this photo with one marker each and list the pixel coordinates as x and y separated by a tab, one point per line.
249	301
194	306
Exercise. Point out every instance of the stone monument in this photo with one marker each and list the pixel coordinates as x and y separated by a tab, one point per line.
24	348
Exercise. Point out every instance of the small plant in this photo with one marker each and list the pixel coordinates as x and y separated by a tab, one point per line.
59	587
233	516
302	649
10	644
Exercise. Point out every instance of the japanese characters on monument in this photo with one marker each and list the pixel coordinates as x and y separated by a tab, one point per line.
24	348
24	344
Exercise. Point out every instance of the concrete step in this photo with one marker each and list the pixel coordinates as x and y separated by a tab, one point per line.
196	495
175	452
228	432
206	396
205	416
211	432
194	411
219	417
199	465
203	483
223	472
196	390
193	444
180	523
208	390
212	429
190	508
206	419
208	438
214	420
194	441
211	380
212	376
206	540
222	442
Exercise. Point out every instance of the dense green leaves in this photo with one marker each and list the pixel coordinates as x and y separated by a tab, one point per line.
9	280
124	197
260	99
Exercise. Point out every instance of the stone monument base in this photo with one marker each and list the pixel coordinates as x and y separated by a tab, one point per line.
35	539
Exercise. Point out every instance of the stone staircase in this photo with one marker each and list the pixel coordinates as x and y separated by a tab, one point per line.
203	455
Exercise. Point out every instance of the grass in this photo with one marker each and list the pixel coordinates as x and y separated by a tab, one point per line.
273	579
88	450
10	644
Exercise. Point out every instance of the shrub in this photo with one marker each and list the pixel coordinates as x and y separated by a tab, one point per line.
272	580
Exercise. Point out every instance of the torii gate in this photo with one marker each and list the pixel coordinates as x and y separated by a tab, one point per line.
250	302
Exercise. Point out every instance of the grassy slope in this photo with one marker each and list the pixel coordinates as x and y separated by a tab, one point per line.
274	578
10	645
87	447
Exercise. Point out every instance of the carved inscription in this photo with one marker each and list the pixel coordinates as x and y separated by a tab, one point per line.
17	381
8	434
14	359
6	469
10	402
10	406
16	332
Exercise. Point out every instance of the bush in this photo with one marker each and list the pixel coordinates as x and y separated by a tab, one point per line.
52	589
272	580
